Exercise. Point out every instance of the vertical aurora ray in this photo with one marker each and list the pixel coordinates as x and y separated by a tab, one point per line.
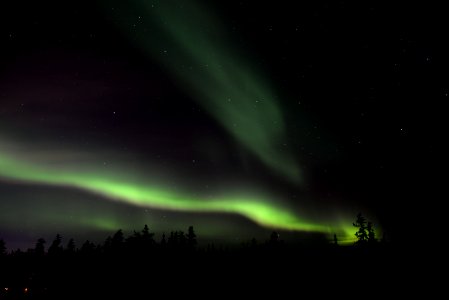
191	44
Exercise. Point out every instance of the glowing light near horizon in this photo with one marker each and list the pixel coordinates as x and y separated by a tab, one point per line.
262	211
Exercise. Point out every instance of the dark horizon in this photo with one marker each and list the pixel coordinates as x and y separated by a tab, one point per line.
131	265
290	238
365	237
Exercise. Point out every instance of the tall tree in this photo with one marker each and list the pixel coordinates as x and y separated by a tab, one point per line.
173	238
134	242
70	249
371	233
117	241
55	247
147	237
191	237
117	238
107	245
182	240
362	231
163	240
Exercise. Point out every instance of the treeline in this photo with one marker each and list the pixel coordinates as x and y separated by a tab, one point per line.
140	242
139	263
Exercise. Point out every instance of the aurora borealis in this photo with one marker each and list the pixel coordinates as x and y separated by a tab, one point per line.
225	84
234	117
261	211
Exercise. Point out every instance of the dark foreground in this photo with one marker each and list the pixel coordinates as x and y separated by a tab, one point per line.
278	271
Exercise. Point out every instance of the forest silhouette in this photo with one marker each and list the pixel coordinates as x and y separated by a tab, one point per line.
138	264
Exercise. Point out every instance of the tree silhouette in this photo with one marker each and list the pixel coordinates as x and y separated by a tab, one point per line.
177	239
191	237
172	239
362	231
107	245
39	249
182	240
181	258
117	238
147	237
55	247
117	241
134	242
163	240
70	249
87	248
274	238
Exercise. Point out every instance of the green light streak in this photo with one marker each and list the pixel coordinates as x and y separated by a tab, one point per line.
263	212
190	43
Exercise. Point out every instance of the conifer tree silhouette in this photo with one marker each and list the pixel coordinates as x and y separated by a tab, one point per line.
117	241
191	237
70	249
39	249
362	231
147	237
55	247
274	238
163	240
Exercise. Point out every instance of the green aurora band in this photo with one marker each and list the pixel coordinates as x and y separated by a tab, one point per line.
189	42
192	46
261	211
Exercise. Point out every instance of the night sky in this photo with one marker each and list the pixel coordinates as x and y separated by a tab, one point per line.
237	117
